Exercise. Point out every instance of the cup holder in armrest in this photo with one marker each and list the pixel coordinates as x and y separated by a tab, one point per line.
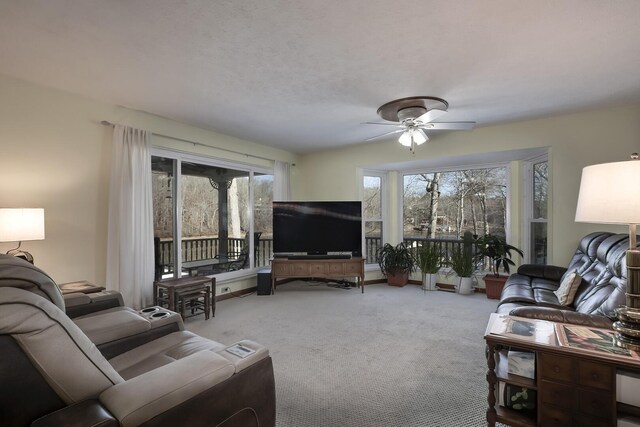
160	315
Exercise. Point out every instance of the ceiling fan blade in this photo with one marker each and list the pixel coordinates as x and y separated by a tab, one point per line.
430	115
382	123
385	134
449	126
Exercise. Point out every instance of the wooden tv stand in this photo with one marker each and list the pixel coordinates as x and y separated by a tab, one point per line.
282	268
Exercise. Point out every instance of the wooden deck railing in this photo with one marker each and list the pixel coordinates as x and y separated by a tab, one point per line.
198	248
447	246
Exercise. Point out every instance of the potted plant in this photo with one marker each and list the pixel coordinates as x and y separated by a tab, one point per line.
429	260
396	263
499	252
461	263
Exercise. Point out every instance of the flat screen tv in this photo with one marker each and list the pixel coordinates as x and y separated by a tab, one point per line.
317	228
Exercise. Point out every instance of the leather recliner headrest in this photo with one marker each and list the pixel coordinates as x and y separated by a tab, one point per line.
18	273
611	246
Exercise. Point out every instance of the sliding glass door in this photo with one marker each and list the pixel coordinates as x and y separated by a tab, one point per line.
211	207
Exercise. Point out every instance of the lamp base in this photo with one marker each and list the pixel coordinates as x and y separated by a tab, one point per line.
21	254
627	328
626	342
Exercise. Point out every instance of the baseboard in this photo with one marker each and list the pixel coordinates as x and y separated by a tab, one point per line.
451	288
234	294
441	286
250	290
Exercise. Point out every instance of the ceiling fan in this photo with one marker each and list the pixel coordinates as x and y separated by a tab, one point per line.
412	116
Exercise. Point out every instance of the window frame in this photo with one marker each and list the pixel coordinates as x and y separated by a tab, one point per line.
384	215
455	168
527	217
181	156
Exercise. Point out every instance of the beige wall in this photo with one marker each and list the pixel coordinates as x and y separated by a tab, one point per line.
575	141
55	154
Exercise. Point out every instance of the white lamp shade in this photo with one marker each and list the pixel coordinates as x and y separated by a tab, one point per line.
419	136
405	139
610	193
21	224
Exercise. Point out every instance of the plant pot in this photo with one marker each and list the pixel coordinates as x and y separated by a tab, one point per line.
399	279
465	285
493	285
429	281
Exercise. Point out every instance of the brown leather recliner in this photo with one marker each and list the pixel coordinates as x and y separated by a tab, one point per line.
53	374
599	260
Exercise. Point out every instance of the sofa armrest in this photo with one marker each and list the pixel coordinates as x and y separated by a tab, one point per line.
563	316
548	272
97	301
75	299
88	413
152	393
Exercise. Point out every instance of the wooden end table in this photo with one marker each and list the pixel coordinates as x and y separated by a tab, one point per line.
182	285
575	377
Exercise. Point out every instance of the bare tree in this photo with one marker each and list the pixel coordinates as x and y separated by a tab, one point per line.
433	189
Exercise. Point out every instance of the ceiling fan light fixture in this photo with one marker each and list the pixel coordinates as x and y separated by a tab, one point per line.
406	138
413	115
419	137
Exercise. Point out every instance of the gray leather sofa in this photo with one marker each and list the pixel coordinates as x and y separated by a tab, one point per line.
599	260
53	374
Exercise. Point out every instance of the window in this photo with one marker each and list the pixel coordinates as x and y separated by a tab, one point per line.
444	205
263	218
536	210
373	205
220	212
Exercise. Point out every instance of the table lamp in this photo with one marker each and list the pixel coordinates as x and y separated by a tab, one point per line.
610	194
18	225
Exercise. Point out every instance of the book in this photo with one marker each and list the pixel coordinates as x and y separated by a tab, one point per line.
522	363
521	328
240	350
516	397
592	340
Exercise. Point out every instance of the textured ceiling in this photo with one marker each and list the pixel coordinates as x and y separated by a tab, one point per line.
303	75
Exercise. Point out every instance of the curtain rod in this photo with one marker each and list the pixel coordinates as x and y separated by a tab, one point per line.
107	123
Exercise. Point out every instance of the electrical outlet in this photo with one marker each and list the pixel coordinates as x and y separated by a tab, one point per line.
225	289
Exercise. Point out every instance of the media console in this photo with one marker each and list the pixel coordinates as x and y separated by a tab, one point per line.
282	268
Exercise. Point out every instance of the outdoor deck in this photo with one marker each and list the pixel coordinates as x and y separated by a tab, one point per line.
196	249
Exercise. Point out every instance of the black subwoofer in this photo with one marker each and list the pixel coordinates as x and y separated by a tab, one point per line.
264	281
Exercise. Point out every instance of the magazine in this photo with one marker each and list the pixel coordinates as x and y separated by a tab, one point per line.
593	340
520	328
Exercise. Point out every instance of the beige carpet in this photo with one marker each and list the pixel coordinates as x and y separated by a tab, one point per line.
388	357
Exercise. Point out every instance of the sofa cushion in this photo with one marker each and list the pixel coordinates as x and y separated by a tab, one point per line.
587	250
568	288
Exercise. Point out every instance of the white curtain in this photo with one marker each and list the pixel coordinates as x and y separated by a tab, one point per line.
281	181
130	232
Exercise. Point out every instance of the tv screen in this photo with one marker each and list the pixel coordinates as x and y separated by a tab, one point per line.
317	227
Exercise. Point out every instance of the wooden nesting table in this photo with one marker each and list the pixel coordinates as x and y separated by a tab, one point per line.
185	285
